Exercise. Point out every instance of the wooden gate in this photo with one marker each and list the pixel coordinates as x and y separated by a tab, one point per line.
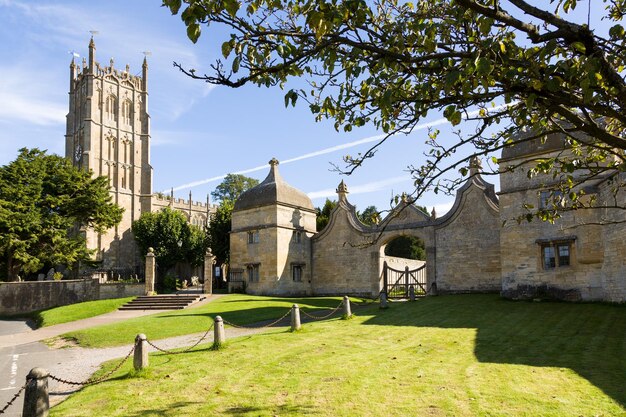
397	283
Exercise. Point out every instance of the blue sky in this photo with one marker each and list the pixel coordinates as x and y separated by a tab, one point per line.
199	132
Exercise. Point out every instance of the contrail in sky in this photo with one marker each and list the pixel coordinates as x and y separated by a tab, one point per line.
369	139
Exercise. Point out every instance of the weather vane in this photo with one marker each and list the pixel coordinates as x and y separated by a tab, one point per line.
94	32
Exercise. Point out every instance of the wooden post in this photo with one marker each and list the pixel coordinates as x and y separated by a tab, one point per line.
36	400
218	332
150	272
347	311
140	357
295	318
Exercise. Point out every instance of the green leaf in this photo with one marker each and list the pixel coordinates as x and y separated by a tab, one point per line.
236	63
227	48
579	46
174	5
483	66
193	32
231	6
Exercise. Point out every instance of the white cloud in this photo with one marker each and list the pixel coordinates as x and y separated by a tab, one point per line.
32	110
30	95
369	187
63	28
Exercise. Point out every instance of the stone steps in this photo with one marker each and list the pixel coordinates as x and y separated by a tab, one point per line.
162	302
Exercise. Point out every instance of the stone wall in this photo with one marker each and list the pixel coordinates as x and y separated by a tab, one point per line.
523	273
120	290
467	243
343	263
29	296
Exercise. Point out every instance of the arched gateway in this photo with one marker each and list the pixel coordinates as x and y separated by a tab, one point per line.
347	257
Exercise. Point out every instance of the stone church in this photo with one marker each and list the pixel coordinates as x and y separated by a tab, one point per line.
108	132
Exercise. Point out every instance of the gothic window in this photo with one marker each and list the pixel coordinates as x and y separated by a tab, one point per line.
124	177
111	108
99	98
127	111
253	272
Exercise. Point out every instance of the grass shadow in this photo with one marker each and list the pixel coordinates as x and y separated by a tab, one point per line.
588	338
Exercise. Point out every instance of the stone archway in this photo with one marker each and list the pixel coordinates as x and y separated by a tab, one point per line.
404	262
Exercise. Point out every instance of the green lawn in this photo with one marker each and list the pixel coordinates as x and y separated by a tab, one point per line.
236	308
73	312
468	355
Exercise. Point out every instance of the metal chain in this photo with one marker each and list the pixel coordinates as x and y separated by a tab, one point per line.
367	303
322	317
94	381
10	403
172	352
263	326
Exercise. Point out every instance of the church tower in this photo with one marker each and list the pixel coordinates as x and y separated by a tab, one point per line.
108	132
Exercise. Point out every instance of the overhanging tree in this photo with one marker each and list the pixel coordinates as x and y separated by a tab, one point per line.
42	199
500	66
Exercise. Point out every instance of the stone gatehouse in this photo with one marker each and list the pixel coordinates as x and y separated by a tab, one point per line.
275	249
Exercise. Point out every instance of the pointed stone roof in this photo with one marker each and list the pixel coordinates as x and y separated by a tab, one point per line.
273	190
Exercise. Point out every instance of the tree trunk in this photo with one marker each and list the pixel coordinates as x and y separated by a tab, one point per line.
13	269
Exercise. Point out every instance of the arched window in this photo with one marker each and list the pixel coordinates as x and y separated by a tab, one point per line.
127	111
111	107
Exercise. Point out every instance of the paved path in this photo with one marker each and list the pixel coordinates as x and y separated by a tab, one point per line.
21	350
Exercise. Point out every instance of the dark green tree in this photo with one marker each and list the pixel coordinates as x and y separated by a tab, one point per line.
232	186
370	216
406	247
501	66
323	214
219	232
219	228
173	239
44	200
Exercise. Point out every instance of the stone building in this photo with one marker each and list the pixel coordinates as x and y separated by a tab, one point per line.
108	132
580	256
271	231
469	249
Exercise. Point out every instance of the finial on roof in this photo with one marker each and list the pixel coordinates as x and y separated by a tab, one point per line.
404	198
433	214
172	197
476	167
342	188
92	44
111	62
273	162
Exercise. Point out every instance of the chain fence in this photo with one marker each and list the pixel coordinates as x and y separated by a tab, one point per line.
15	397
178	352
91	381
261	326
325	316
103	378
